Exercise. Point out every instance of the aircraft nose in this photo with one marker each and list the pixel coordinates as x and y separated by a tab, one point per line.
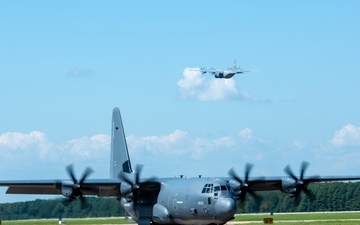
225	209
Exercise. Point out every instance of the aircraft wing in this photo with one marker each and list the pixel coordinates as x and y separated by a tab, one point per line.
99	187
291	184
279	183
222	71
242	71
207	71
211	71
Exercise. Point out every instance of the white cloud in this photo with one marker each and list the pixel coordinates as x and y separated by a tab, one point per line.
246	134
16	140
36	146
14	143
191	84
89	147
195	85
218	89
201	146
349	135
178	143
224	142
24	151
169	144
192	79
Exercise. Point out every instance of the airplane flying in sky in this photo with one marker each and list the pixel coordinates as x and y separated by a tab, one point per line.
225	74
199	200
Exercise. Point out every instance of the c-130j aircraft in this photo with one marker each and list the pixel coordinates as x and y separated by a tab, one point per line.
196	200
223	74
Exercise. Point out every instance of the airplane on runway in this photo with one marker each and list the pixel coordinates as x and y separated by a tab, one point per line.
223	74
199	200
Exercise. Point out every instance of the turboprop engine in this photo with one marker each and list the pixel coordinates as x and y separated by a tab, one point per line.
71	191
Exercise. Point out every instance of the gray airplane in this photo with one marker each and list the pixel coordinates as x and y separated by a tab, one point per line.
199	200
225	74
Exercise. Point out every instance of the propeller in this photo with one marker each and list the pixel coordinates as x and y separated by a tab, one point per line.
136	185
244	184
301	183
203	68
77	187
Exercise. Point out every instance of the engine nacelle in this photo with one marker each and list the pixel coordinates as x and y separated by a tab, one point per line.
288	186
126	191
235	186
66	190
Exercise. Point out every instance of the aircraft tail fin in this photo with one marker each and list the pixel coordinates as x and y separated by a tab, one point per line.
119	156
234	66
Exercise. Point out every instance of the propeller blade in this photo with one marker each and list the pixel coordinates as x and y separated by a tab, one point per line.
77	189
136	184
252	193
70	171
244	184
65	202
289	172
137	173
242	196
248	168
301	183
87	172
233	174
307	192
304	166
84	204
123	177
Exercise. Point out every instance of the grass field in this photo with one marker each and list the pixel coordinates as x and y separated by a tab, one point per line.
339	218
335	218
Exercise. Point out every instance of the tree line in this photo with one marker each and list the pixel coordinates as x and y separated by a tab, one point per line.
335	196
46	209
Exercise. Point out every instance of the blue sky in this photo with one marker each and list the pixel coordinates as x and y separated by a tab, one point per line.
65	65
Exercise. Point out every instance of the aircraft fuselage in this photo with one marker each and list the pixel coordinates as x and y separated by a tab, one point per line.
224	74
186	201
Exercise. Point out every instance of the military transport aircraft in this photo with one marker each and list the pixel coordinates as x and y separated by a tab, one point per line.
226	74
198	200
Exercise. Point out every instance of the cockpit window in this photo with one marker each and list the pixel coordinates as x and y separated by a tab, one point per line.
223	188
208	188
216	188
